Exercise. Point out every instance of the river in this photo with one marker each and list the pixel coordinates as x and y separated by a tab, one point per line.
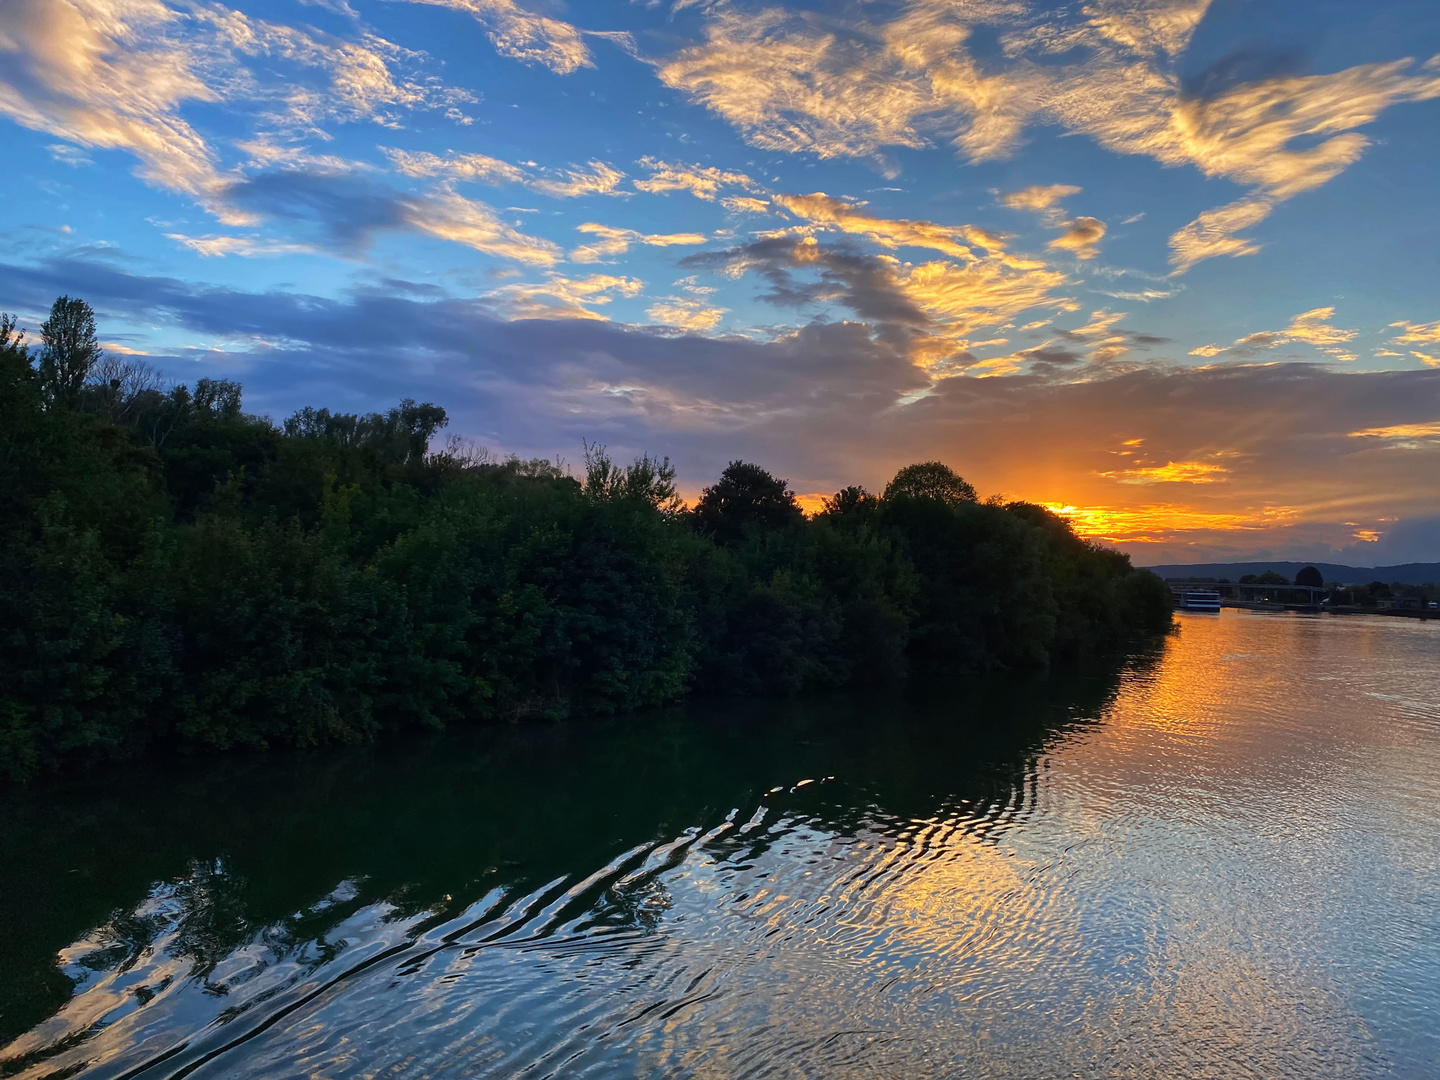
1221	860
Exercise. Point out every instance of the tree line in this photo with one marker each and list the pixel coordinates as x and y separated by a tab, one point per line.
177	572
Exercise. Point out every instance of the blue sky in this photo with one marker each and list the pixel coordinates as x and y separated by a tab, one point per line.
1170	264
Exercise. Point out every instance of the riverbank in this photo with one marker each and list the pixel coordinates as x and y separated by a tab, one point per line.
176	572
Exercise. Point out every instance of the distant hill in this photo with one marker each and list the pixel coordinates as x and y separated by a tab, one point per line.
1406	573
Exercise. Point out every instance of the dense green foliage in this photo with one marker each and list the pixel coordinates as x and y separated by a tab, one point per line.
175	571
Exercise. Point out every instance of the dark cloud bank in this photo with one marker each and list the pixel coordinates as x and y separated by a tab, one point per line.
818	406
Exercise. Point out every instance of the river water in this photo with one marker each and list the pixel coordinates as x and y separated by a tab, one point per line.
1222	860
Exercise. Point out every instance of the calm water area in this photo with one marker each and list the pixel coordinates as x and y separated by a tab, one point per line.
1221	860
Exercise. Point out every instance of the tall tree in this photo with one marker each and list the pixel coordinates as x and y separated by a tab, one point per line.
70	349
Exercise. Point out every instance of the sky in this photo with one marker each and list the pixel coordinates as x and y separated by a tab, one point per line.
1169	266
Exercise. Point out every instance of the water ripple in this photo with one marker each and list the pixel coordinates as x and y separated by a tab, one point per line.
1219	871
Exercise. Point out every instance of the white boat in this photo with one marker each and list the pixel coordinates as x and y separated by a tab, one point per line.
1200	600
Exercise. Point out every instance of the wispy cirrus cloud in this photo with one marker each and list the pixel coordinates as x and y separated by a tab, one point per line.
595	178
344	211
797	82
248	246
479	168
561	297
1213	233
117	75
525	36
612	241
848	217
110	75
1416	334
702	181
1403	436
1312	327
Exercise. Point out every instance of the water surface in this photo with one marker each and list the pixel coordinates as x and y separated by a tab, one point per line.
1220	861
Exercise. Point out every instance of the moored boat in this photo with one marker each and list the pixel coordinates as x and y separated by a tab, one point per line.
1200	600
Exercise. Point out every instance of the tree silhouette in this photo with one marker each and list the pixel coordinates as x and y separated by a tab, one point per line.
930	480
70	349
1310	576
744	499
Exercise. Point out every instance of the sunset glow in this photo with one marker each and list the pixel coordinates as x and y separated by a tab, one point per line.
1072	251
1162	524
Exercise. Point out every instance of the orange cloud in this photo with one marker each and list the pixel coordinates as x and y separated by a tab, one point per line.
561	297
1082	236
1172	472
953	240
686	314
702	181
1163	522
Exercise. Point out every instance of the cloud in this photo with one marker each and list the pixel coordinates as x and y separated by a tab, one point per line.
929	311
1402	436
107	75
69	155
1172	472
523	35
612	241
702	181
1309	327
1312	327
789	84
598	179
847	217
1417	333
686	313
475	167
361	83
1082	235
561	297
1212	234
832	86
348	211
464	221
817	403
743	204
1038	197
247	246
116	75
1426	358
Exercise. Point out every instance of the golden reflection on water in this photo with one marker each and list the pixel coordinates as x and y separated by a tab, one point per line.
1229	871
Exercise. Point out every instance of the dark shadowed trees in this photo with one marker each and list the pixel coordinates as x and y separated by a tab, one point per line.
930	480
745	499
176	571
